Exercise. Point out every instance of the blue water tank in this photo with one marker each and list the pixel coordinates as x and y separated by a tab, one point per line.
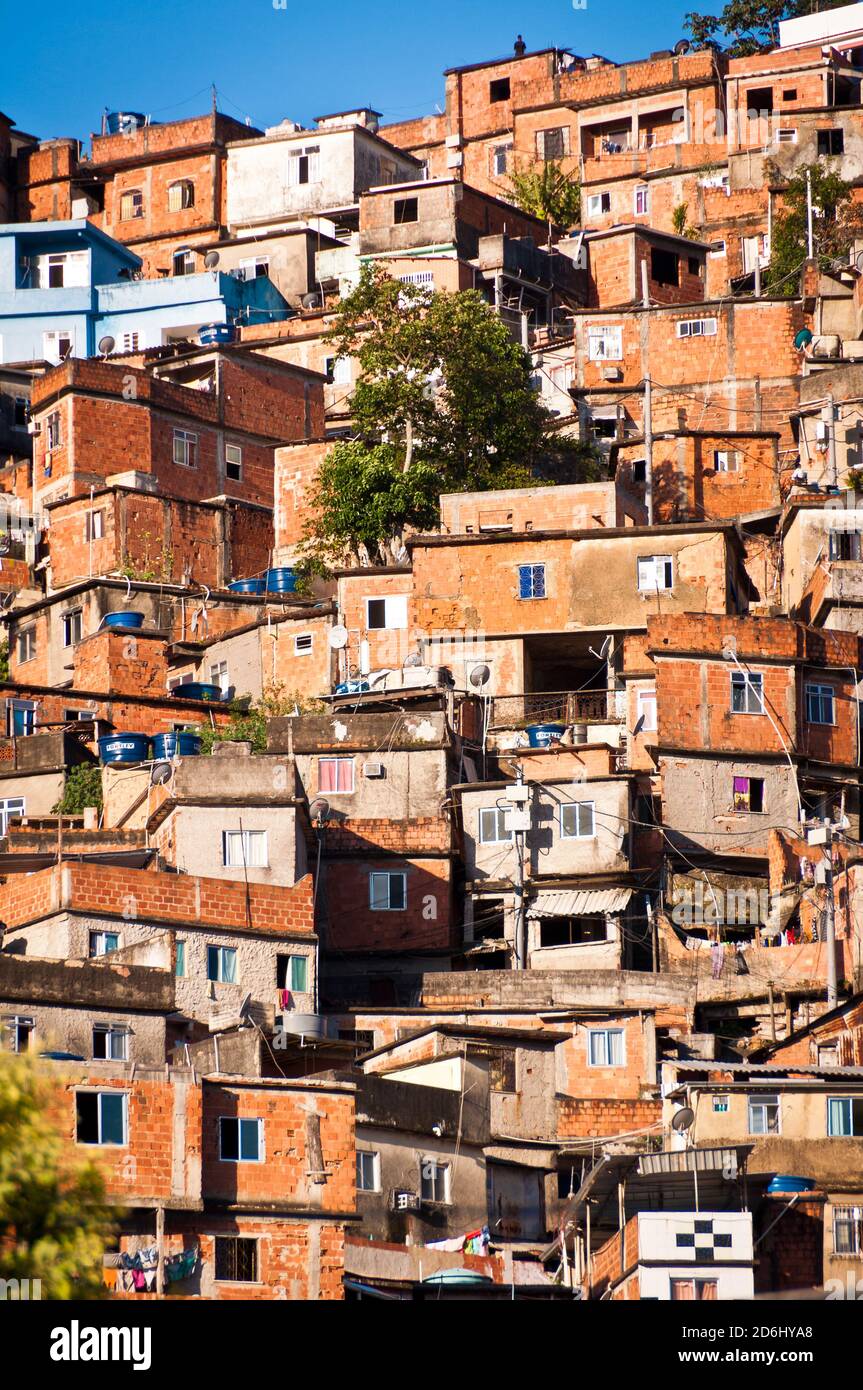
119	750
541	735
784	1182
197	690
124	618
183	744
121	122
213	333
352	688
247	586
281	581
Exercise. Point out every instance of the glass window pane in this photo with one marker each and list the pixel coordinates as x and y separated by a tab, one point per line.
249	1139
112	1118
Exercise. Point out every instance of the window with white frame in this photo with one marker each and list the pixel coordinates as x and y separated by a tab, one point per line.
763	1114
434	1180
101	1117
61	270
219	676
717	248
605	1047
131	205
493	826
696	328
234	462
338	370
241	1141
389	612
181	195
16	1032
53	431
110	1042
786	135
102	943
500	157
20	718
577	820
562	375
57	345
72	627
388	892
131	341
845	1117
222	965
848	1231
531	581
94	526
552	144
368	1171
303	644
253	268
11	808
336	775
646	710
183	261
641	200
26	644
186	448
747	692
820	703
655	572
292	973
726	460
605	344
598	203
304	165
244	849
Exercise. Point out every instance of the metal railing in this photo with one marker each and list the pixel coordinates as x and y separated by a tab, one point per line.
555	707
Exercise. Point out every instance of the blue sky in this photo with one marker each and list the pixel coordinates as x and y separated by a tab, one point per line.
63	62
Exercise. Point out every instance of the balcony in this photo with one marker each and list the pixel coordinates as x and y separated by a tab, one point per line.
557	707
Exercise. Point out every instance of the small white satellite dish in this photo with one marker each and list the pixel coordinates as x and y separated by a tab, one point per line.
106	345
211	260
479	676
602	654
319	810
338	637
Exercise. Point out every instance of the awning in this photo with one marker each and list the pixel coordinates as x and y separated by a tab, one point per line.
579	902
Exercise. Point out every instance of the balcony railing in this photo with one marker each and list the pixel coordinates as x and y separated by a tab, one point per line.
556	707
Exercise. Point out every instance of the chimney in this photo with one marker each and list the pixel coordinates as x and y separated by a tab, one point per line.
519	47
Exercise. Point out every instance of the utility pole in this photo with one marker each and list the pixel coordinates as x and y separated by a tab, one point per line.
810	240
823	835
829	417
519	820
648	449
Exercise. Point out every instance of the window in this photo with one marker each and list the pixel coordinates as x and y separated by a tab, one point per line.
844	1116
759	101
696	328
244	849
664	266
598	203
717	248
183	262
641	200
102	943
639	471
78	716
848	1231
501	1070
388	892
573	931
186	448
552	144
15	1032
303	644
338	370
101	1117
304	165
180	961
26	644
292	972
110	1043
820	704
577	820
254	268
531	581
747	692
222	964
789	94
20	718
500	160
236	1260
694	1290
786	136
831	142
219	676
498	90
12	808
72	627
720	1105
241	1141
56	347
493	828
605	344
763	1114
130	342
336	775
434	1180
20	411
828	1054
726	460
646	710
181	195
131	205
368	1172
94	526
53	431
693	265
844	545
748	794
389	612
405	210
655	572
605	1047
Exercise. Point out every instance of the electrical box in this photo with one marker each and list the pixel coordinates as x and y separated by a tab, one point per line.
519	820
518	795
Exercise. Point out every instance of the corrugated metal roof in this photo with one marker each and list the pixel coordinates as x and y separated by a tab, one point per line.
578	902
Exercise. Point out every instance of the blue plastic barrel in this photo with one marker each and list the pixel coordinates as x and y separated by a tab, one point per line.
196	690
352	688
124	618
117	750
281	581
216	333
248	586
541	735
183	745
784	1182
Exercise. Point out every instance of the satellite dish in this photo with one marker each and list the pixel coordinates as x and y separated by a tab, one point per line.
160	773
682	46
804	337
639	726
211	260
479	676
603	651
338	637
244	1008
683	1120
311	301
319	810
106	345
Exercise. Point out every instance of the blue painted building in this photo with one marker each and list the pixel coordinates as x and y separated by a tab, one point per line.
64	286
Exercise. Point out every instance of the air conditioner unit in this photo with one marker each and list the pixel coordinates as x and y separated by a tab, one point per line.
374	770
34	427
612	374
402	1200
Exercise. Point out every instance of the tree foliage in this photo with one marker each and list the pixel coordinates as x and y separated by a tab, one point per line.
54	1221
836	222
750	26
548	193
443	401
82	788
248	721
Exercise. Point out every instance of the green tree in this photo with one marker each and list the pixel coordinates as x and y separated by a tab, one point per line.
248	721
548	193
54	1221
443	400
835	224
82	788
752	26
